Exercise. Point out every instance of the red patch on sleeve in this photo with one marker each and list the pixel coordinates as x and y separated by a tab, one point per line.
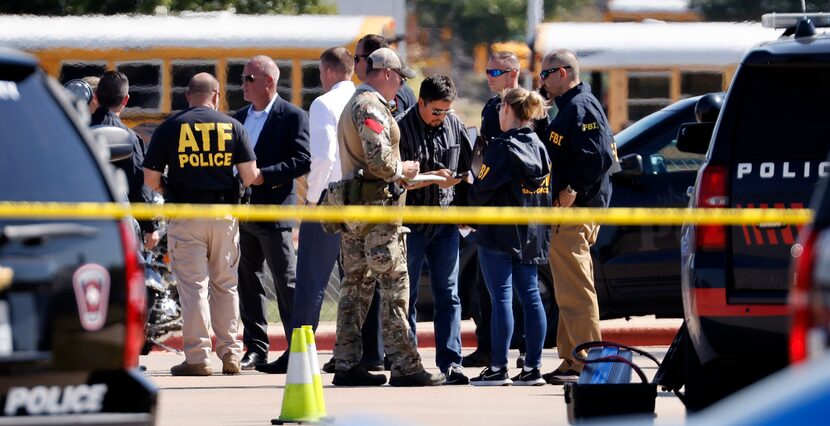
374	125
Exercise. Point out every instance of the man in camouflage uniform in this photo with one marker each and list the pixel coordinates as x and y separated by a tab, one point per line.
371	163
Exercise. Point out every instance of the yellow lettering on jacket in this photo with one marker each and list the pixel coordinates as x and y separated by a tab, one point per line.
206	159
483	173
204	129
544	188
187	139
224	131
590	126
556	138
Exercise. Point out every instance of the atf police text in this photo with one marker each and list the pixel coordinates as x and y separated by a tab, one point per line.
202	152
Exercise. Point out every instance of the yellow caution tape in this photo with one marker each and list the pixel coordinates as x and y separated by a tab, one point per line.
378	214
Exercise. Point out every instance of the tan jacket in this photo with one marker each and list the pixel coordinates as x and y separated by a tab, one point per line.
369	137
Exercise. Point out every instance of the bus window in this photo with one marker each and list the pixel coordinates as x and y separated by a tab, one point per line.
145	84
312	87
233	85
73	70
180	74
648	91
693	83
284	85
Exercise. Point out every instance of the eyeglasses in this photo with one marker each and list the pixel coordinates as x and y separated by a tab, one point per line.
498	73
249	78
403	79
545	73
357	57
440	112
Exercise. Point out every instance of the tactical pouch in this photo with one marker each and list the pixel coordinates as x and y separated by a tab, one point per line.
334	196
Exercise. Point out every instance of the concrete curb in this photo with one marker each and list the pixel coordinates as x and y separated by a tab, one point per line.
635	335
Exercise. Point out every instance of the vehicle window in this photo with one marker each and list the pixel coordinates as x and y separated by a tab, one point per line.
312	87
145	84
233	85
180	74
284	85
648	91
693	83
71	70
50	162
669	159
776	120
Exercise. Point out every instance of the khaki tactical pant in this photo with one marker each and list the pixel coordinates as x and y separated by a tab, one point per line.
573	285
205	258
376	256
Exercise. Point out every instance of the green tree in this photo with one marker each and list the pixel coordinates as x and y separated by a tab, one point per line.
110	7
478	21
750	10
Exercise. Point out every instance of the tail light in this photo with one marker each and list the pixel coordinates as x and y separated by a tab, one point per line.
811	276
712	193
135	314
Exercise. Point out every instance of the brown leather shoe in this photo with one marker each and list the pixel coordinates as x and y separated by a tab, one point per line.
185	369
230	364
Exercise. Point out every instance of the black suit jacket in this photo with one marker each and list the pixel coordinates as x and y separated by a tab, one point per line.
282	153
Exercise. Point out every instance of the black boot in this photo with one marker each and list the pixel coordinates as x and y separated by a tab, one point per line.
357	376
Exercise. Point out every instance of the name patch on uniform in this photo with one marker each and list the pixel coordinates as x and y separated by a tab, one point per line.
556	138
589	126
202	151
374	125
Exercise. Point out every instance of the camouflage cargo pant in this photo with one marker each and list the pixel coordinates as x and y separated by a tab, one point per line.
378	258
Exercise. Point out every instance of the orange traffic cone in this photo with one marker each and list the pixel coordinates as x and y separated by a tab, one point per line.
299	404
315	371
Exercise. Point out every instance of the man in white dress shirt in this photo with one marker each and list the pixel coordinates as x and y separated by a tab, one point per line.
318	250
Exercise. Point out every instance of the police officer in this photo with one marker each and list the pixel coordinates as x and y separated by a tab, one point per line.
502	74
369	146
200	147
112	94
582	154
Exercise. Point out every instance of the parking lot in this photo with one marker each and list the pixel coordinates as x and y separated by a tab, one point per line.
255	398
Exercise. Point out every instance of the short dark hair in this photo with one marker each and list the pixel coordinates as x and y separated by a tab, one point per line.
372	42
338	59
112	89
437	88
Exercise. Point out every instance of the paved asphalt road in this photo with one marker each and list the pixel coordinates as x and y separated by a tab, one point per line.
254	398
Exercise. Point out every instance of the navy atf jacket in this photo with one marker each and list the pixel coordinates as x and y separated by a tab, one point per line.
282	153
515	173
581	148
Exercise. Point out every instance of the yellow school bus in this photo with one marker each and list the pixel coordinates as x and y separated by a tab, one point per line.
159	54
637	68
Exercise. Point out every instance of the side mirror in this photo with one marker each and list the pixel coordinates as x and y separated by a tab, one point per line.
116	139
631	165
694	137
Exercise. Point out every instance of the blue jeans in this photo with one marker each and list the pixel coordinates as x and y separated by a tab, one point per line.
502	273
441	252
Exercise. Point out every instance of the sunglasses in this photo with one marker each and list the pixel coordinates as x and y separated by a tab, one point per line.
249	78
498	73
440	112
357	57
403	79
545	73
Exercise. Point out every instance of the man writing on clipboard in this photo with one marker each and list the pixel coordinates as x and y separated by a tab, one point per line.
437	139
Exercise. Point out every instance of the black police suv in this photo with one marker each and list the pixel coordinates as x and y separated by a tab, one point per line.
809	298
71	291
635	267
767	150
